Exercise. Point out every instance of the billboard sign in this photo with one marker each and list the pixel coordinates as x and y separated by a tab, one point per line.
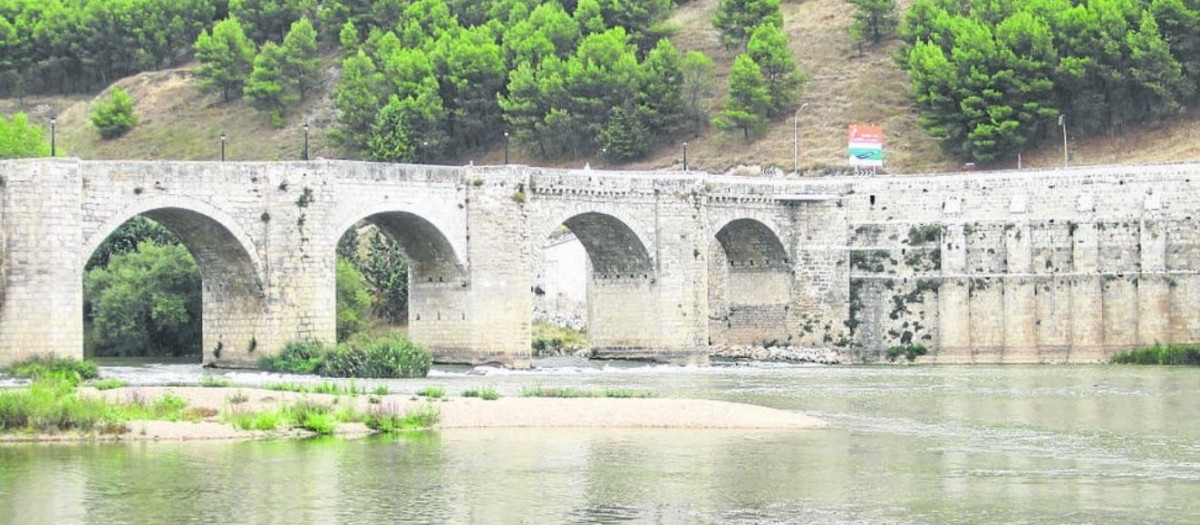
866	146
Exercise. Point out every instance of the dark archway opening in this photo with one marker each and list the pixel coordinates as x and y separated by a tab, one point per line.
594	290
750	284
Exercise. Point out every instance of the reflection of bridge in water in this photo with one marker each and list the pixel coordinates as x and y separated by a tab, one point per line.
1029	266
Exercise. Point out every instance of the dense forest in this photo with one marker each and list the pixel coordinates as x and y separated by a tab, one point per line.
991	76
422	80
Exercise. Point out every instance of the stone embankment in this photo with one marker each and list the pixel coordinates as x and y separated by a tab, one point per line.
786	354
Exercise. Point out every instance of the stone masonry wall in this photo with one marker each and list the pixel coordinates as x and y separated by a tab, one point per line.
1030	266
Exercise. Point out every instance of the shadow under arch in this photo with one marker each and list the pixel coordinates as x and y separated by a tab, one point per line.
750	243
233	298
750	285
620	301
614	249
431	257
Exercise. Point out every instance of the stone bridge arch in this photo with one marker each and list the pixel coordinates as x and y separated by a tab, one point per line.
750	283
438	278
621	279
233	295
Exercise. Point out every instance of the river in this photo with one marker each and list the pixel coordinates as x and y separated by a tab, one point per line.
909	445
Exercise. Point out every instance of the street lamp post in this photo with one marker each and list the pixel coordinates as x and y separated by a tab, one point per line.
505	148
1062	121
604	157
796	139
53	149
223	146
305	141
685	157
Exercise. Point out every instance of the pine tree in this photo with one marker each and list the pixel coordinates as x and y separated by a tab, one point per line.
625	136
697	82
266	89
736	18
662	106
768	47
873	20
357	101
749	101
226	58
301	66
114	117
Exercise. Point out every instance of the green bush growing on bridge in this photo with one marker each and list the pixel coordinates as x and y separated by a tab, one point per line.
909	352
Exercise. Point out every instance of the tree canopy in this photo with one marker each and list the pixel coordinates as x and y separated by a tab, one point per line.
993	78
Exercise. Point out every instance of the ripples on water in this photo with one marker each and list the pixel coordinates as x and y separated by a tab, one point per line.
980	444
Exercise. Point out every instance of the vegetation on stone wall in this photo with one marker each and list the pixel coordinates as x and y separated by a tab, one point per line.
1160	355
909	352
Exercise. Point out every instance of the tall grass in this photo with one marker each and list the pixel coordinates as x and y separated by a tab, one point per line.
389	418
51	405
1160	355
485	392
45	366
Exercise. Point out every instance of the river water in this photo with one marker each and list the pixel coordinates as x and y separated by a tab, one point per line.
935	445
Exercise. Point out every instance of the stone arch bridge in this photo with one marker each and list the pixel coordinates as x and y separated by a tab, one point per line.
1022	267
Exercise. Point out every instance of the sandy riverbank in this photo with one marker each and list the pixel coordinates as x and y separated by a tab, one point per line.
456	413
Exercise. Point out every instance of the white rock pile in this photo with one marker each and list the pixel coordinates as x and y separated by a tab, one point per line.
794	354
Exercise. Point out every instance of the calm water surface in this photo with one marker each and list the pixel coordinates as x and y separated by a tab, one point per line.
1003	445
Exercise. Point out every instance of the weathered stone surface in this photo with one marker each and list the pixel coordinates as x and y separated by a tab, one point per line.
1049	266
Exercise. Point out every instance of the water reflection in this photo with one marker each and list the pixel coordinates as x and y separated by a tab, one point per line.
1037	445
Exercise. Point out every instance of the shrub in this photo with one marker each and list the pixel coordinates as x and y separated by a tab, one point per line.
392	357
108	384
114	117
432	392
550	339
20	139
353	300
38	367
388	419
486	392
1160	355
910	352
212	381
297	357
388	357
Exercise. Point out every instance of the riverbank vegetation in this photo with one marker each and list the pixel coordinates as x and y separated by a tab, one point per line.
622	393
1160	355
392	356
550	339
52	404
486	393
36	367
